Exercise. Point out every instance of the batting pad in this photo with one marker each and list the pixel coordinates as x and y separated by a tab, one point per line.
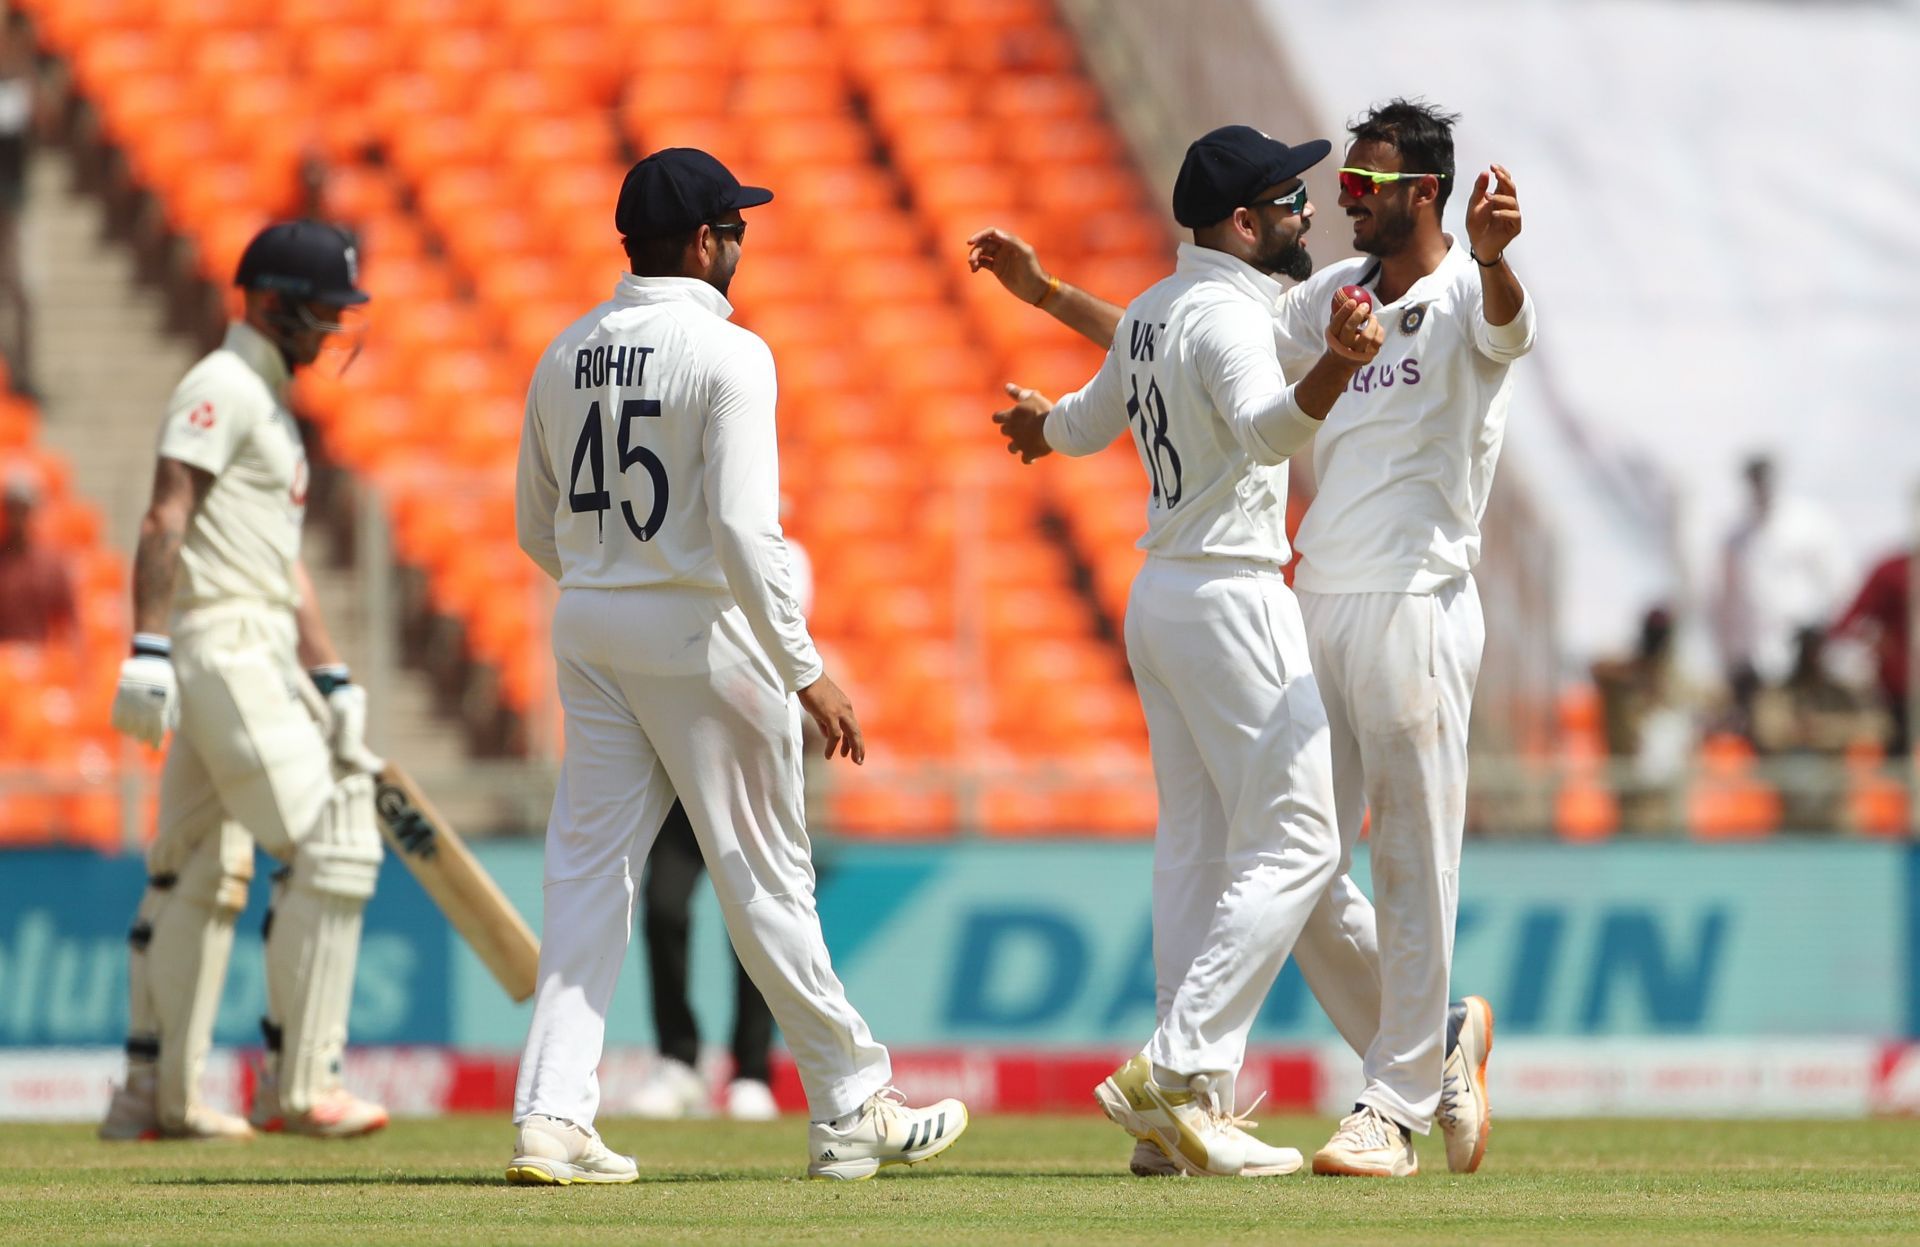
180	944
314	941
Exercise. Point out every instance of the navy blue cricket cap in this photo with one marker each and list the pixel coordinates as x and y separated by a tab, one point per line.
1226	168
307	260
676	189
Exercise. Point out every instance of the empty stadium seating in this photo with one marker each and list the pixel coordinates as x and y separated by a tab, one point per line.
476	147
59	757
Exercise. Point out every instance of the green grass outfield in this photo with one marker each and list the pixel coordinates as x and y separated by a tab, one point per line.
1052	1180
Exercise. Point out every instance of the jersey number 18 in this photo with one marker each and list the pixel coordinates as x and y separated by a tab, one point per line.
590	451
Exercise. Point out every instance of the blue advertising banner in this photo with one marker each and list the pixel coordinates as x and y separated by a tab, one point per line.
1048	944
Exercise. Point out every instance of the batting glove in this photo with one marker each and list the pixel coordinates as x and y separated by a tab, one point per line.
146	705
347	733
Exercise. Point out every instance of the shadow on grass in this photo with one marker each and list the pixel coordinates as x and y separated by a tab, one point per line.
646	1179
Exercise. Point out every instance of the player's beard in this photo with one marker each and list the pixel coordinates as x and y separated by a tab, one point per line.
1286	259
1285	256
1390	235
722	276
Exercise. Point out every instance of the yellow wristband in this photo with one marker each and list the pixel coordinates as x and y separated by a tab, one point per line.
1053	288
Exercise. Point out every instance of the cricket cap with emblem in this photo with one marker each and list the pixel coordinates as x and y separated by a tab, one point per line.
309	260
677	189
1226	168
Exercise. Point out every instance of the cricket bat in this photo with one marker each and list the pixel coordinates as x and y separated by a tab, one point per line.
456	881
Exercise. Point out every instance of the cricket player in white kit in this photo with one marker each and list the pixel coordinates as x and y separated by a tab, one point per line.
231	651
649	489
1388	546
1246	843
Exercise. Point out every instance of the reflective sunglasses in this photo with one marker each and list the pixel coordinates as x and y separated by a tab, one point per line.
1363	182
1295	202
736	230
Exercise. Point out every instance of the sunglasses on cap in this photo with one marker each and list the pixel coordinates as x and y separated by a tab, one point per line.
1294	201
1363	182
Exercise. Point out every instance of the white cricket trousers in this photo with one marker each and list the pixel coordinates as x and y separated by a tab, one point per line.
1246	843
667	693
1397	672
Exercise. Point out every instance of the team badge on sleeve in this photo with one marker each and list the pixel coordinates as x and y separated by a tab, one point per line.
201	417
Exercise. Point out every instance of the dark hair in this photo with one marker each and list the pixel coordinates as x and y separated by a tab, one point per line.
1421	133
658	257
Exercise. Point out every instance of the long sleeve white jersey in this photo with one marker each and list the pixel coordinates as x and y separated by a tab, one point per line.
1406	460
648	457
229	418
1195	374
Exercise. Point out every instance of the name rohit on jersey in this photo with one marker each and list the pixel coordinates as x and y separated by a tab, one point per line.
594	367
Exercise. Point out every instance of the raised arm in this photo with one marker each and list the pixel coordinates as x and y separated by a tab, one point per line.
1505	328
1012	259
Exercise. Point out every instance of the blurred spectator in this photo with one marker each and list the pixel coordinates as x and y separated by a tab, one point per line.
36	593
312	198
17	87
1781	573
1806	723
1881	609
1648	716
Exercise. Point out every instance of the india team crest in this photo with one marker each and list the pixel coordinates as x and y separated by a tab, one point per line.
1413	318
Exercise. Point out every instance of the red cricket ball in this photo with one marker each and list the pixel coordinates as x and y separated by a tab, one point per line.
1359	294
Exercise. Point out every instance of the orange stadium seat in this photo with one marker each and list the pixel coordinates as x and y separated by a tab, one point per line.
1876	803
892	811
477	148
1728	801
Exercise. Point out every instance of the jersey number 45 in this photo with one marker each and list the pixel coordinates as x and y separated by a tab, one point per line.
590	451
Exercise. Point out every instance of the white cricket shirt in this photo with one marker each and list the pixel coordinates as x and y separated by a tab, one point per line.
229	418
1194	373
649	458
1406	459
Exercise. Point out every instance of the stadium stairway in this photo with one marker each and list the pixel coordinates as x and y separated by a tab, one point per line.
107	362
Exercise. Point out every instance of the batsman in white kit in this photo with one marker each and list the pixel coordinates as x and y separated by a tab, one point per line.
1246	843
231	652
649	489
1388	545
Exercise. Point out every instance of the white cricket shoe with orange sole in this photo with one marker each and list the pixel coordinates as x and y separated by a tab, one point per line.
1465	1115
1368	1144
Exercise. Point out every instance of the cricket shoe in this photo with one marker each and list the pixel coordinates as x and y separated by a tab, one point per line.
749	1099
336	1113
1187	1126
133	1114
1465	1114
885	1132
552	1151
1368	1144
673	1090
